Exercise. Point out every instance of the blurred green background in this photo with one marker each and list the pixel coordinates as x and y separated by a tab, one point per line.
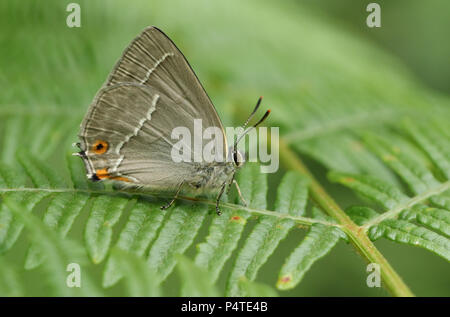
315	55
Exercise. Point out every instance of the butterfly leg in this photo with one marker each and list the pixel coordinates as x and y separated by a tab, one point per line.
230	183
174	198
222	189
240	193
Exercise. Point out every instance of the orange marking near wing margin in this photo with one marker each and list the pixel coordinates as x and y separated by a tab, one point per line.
103	174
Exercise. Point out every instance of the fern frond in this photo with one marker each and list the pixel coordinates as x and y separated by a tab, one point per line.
416	176
59	253
441	201
104	214
268	232
195	282
175	236
140	281
10	227
436	219
10	284
410	233
254	289
59	216
144	220
318	242
225	231
361	214
432	143
12	131
403	215
370	187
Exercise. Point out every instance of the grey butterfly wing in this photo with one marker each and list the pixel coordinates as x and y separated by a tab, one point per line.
133	122
151	90
152	59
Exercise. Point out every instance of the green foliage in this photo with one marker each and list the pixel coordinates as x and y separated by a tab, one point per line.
369	125
59	253
319	240
144	220
10	284
196	281
403	220
174	238
269	231
141	280
410	233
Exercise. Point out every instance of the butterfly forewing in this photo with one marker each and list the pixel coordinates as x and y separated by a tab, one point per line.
126	134
152	59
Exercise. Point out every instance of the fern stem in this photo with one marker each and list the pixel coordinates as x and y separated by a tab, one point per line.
300	220
258	212
357	235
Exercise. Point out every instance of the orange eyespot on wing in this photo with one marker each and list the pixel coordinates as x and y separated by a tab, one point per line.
103	174
100	147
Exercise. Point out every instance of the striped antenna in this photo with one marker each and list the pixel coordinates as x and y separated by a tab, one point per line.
264	117
253	112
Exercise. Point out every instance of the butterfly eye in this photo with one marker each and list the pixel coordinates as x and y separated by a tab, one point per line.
100	147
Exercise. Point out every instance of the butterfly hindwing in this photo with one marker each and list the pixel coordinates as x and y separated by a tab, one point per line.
126	134
131	124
